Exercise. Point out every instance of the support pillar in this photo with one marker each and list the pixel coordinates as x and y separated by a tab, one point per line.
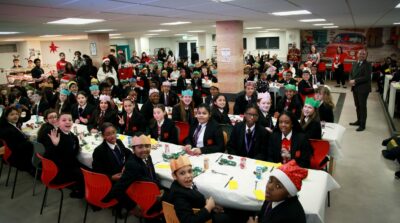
102	43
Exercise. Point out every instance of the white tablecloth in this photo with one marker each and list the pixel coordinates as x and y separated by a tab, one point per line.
394	87
386	86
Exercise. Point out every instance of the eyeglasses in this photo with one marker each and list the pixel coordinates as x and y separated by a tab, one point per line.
143	145
251	115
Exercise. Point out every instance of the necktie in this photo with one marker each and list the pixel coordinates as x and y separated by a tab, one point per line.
249	141
37	109
196	134
127	122
268	209
80	110
315	79
159	131
166	100
148	164
118	153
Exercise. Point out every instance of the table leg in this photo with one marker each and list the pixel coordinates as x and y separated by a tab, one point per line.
331	165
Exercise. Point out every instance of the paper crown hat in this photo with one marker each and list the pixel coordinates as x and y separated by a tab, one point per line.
166	83
291	176
215	85
71	83
265	96
104	97
312	102
94	81
250	83
94	88
64	79
106	59
290	87
132	80
196	73
176	164
187	92
65	92
152	91
141	140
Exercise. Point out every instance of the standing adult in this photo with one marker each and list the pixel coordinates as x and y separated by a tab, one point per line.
360	81
338	67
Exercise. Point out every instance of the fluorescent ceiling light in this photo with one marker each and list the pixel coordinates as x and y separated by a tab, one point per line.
323	24
312	20
14	40
152	34
74	38
223	0
214	25
75	21
8	33
287	13
196	31
257	27
398	5
330	27
99	30
49	36
396	23
263	31
114	34
180	34
158	30
275	29
116	37
174	23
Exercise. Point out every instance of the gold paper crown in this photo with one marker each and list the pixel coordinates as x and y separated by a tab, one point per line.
176	164
140	140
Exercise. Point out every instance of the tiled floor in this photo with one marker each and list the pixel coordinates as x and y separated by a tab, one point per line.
369	191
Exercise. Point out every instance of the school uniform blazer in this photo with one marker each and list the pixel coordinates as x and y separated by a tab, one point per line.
136	123
220	117
147	111
265	121
313	130
87	112
291	81
184	200
43	106
325	113
301	149
169	132
305	88
213	138
295	106
289	210
241	103
173	99
104	160
72	99
135	170
66	107
109	116
237	144
361	74
176	114
181	84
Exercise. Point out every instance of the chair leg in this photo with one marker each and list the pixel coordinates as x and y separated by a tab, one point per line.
34	182
8	176
61	204
86	210
44	200
116	215
126	216
1	166
329	199
15	182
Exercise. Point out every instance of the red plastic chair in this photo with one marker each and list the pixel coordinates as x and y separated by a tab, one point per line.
125	73
97	187
6	156
347	67
183	128
145	195
49	172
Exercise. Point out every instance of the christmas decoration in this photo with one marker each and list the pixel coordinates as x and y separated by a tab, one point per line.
53	47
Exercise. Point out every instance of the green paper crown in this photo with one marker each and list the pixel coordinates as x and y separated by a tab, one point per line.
290	87
312	102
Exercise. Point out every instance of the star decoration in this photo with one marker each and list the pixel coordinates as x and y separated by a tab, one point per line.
53	47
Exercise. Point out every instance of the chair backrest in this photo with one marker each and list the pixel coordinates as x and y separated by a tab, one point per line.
227	129
144	194
37	148
321	150
183	130
97	186
170	214
7	151
49	170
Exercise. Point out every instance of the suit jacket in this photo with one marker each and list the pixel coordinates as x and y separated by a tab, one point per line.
319	77
169	132
95	122
265	121
176	115
213	138
136	124
301	149
181	84
43	106
259	146
66	107
147	111
313	130
173	99
325	113
289	210
295	106
220	117
292	81
184	200
87	112
241	103
105	161
362	76
305	88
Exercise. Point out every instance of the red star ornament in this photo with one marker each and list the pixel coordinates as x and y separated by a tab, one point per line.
53	47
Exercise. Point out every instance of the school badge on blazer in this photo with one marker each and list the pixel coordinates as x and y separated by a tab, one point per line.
134	128
166	135
297	154
210	142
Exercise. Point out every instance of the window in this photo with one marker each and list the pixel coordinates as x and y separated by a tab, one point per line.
267	43
8	48
244	43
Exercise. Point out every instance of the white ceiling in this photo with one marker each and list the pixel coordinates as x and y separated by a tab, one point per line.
136	17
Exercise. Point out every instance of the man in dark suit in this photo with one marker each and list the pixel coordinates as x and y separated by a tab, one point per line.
315	77
246	98
360	81
110	156
167	97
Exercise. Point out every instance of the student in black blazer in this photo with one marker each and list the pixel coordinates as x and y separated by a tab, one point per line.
218	112
205	136
131	120
184	110
51	122
147	108
40	103
163	128
167	97
305	86
63	105
325	109
264	104
315	77
249	139
110	156
82	111
309	120
19	144
290	102
181	84
103	113
139	167
288	78
245	98
289	142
